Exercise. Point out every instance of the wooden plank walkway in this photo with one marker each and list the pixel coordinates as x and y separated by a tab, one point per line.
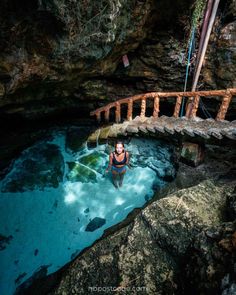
168	126
191	125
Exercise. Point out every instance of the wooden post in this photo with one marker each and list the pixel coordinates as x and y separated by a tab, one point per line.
107	114
156	106
130	110
143	107
224	106
205	43
117	112
177	106
98	116
193	107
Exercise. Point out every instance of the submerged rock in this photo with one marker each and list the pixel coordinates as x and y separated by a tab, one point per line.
96	161
38	167
19	278
4	240
40	273
78	172
155	155
95	223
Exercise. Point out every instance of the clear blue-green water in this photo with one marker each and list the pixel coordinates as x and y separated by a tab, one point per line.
56	200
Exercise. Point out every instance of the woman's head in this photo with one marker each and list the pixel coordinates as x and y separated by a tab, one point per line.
119	147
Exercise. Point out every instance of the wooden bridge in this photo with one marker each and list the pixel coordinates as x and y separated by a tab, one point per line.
190	124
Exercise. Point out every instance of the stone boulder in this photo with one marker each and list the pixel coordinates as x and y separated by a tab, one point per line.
231	206
211	260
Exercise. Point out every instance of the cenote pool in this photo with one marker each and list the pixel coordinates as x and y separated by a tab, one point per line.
55	200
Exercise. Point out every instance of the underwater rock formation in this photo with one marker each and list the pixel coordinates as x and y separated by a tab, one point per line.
95	223
39	167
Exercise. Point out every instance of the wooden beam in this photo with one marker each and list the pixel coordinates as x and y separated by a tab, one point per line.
193	113
177	106
98	116
107	115
143	108
117	112
130	110
224	107
192	106
156	106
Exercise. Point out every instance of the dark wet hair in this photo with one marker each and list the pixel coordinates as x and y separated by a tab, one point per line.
119	142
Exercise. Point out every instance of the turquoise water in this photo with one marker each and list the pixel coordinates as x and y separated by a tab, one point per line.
55	201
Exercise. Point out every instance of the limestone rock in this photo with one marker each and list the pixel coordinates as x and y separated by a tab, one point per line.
210	266
192	153
231	206
93	138
104	134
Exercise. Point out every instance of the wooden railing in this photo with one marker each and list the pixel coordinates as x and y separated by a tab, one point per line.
191	110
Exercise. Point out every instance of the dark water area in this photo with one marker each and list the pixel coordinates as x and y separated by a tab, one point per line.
17	133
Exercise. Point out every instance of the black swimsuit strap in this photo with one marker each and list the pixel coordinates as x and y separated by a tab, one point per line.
115	152
116	162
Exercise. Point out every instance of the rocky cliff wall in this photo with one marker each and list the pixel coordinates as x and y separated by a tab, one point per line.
60	55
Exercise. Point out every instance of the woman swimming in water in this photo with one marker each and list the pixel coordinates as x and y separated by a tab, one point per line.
118	160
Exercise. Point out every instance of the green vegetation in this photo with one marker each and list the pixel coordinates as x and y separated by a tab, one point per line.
197	17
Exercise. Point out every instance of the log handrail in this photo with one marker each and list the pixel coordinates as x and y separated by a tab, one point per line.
191	108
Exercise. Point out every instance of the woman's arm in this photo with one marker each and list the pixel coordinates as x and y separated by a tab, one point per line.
110	162
127	161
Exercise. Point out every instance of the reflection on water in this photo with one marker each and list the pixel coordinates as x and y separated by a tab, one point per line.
55	202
